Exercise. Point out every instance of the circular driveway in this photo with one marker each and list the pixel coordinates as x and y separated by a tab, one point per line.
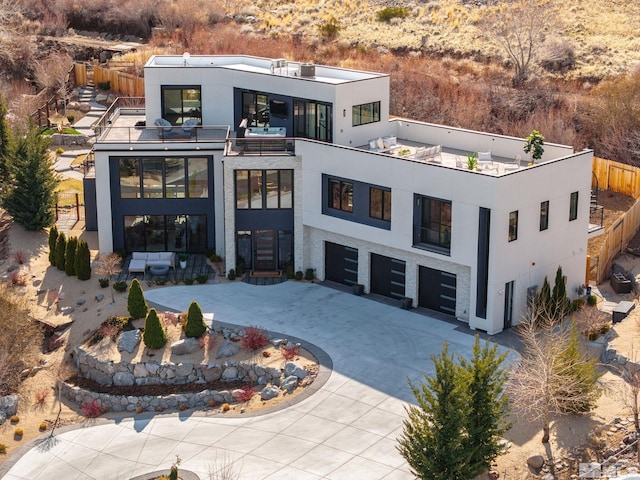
347	429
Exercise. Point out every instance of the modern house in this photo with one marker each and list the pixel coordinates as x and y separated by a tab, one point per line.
276	164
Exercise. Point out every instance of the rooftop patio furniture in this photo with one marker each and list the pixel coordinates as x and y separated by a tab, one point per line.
189	125
485	161
513	164
164	126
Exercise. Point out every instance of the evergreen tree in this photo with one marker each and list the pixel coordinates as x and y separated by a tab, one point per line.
154	335
61	250
83	261
53	238
70	256
544	299
30	197
5	144
486	381
195	326
136	304
581	370
434	439
559	300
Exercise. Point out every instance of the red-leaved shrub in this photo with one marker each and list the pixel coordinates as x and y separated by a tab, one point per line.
92	409
254	338
245	394
18	278
289	353
20	257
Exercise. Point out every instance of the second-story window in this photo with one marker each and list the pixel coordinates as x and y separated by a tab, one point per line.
181	103
365	113
573	206
513	226
264	189
341	195
380	203
544	215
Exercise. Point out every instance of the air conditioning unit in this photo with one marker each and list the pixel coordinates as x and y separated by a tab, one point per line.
307	70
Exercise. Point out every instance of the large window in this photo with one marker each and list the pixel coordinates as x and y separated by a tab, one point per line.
181	103
264	189
433	223
160	233
158	177
544	215
380	203
255	108
341	195
365	113
573	206
313	120
513	226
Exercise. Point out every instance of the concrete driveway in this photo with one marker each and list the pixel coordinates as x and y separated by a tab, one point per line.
346	430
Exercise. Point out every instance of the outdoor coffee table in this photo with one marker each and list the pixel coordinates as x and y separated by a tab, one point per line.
159	270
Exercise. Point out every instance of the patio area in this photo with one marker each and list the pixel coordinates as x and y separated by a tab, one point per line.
197	266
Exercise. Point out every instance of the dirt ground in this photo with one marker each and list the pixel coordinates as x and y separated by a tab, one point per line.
615	204
52	294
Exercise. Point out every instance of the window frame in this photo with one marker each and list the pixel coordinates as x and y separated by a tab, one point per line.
191	112
573	206
345	195
513	226
385	213
371	112
263	176
544	215
429	237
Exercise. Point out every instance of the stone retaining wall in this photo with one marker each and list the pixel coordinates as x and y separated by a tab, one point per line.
129	403
107	372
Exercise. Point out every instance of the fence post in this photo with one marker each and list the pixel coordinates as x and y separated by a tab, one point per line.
77	207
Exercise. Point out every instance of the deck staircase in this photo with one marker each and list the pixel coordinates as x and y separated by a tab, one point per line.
596	211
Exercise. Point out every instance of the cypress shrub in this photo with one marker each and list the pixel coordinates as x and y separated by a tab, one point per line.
195	326
53	238
136	304
61	248
70	256
83	261
154	335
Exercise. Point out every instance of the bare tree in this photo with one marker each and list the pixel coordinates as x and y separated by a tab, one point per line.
109	265
52	74
519	28
185	17
555	376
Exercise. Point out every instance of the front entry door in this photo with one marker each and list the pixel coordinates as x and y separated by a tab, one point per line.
264	249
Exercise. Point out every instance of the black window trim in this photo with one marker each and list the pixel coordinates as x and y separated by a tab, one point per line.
375	109
443	249
513	229
544	215
573	206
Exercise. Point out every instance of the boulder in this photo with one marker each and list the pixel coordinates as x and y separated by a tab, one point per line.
294	368
230	373
269	392
9	405
227	349
3	417
124	379
129	340
185	346
535	461
289	384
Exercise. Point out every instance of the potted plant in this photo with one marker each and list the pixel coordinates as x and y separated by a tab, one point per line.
182	257
472	161
534	146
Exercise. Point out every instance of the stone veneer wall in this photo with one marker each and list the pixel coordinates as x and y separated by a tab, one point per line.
107	372
129	403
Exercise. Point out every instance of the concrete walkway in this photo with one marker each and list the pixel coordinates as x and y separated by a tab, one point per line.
348	429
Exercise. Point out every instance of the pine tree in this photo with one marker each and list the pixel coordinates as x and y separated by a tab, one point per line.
61	250
154	335
486	381
434	439
83	261
53	238
581	369
5	144
70	256
30	197
544	299
559	300
195	326
136	304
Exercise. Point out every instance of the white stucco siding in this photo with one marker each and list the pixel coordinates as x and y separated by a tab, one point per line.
103	201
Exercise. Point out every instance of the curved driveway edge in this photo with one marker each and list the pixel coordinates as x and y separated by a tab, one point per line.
347	429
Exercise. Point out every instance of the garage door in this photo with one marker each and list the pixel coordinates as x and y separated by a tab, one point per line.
387	276
340	263
437	290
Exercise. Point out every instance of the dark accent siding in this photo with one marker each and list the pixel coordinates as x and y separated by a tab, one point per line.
90	204
158	206
360	213
484	228
271	219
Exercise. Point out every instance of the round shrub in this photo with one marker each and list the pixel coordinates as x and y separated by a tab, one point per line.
195	326
299	275
309	274
232	274
120	286
592	300
154	335
136	304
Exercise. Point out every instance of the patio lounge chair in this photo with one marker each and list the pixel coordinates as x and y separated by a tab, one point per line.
189	126
485	161
163	125
513	164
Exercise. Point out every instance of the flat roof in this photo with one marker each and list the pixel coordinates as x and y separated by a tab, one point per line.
266	66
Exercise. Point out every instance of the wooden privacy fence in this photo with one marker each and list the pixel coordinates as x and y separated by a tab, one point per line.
625	179
125	84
